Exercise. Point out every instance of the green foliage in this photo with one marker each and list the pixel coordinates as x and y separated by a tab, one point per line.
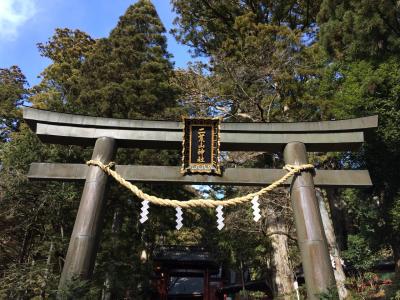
60	86
359	253
12	94
205	25
362	29
364	88
34	218
128	74
395	215
331	294
362	42
78	289
396	296
248	43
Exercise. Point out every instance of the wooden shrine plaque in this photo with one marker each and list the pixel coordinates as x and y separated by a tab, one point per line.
200	153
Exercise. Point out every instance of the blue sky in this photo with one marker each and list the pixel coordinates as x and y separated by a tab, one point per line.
24	23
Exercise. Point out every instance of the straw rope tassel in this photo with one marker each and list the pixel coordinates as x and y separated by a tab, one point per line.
210	203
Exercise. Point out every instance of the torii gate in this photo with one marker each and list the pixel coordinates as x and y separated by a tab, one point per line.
294	139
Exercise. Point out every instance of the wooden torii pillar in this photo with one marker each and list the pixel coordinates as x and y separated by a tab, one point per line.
293	139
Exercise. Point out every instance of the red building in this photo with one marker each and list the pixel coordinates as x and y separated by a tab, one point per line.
191	273
186	273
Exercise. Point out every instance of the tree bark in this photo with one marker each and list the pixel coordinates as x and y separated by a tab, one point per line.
338	217
334	251
282	274
109	283
24	247
48	265
396	256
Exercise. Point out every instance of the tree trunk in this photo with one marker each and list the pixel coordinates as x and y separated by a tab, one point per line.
108	291
48	265
338	217
244	296
24	247
282	274
333	247
396	256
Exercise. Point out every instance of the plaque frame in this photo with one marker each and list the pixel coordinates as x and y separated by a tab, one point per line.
213	166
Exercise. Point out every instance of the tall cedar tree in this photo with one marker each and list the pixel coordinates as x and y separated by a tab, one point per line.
128	74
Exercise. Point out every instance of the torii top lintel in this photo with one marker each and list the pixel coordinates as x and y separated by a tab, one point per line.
61	128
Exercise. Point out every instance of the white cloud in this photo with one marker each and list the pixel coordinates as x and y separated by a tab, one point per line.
13	14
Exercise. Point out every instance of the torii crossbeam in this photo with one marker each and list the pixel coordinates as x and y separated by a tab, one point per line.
293	139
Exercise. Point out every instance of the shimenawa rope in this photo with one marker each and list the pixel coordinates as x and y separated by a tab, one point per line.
107	168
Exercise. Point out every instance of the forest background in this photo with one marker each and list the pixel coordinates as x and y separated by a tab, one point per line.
265	61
